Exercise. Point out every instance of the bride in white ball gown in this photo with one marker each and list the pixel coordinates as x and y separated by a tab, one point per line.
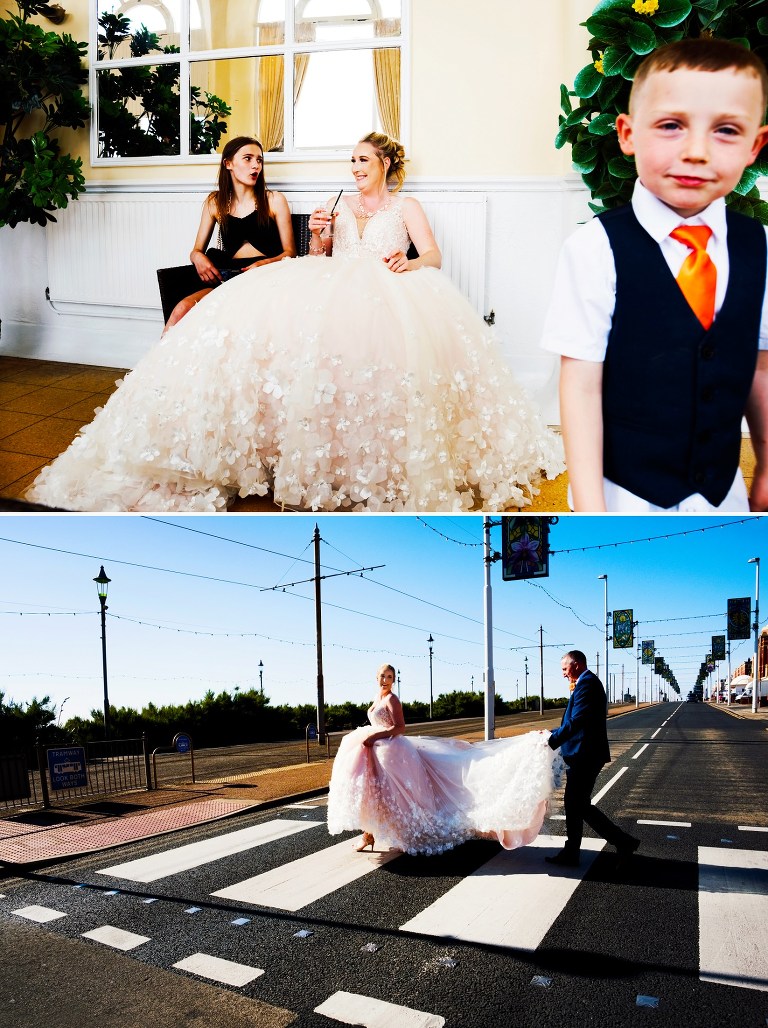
361	382
422	794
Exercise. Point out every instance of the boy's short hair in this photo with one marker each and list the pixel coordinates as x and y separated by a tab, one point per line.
702	53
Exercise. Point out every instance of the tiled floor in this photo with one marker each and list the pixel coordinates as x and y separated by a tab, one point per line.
43	404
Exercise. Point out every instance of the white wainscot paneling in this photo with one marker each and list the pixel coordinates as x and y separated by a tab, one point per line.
85	288
104	250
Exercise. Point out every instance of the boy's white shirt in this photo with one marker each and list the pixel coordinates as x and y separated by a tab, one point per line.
579	317
578	321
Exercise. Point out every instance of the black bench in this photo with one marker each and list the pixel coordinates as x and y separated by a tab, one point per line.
176	283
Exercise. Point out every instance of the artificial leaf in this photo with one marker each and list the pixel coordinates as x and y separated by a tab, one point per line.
602	125
622	167
587	82
671	13
641	37
613	58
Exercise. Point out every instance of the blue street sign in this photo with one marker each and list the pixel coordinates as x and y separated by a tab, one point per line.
182	742
311	731
66	767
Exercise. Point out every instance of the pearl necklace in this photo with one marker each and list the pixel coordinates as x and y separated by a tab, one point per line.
363	213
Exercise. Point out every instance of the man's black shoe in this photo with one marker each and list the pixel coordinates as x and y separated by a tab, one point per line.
628	848
563	859
624	852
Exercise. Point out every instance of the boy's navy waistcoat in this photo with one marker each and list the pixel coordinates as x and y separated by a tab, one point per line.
674	393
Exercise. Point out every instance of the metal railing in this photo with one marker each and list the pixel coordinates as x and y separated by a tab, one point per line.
19	786
111	767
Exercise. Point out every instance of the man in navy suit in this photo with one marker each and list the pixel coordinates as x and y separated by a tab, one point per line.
582	739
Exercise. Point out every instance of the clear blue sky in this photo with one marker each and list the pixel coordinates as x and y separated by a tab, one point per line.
172	636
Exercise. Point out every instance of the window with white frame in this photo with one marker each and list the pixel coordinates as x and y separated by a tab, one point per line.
172	80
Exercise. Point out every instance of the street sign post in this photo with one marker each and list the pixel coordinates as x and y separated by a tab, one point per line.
67	768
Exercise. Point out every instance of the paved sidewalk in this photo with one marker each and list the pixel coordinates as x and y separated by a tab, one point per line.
42	836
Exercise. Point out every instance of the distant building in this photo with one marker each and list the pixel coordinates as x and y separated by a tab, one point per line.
762	659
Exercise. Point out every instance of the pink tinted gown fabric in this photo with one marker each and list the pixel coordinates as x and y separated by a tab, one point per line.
427	795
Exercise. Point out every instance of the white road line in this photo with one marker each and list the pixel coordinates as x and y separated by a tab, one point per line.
642	749
665	824
117	938
218	970
656	732
513	900
733	917
292	886
350	1008
557	817
751	828
40	914
182	858
608	785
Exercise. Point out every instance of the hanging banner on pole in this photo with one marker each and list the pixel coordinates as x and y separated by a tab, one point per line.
718	647
738	617
524	548
648	651
658	665
623	637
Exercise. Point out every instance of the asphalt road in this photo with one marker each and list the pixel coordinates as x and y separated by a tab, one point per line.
620	941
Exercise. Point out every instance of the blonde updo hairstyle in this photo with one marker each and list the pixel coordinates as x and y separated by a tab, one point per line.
389	148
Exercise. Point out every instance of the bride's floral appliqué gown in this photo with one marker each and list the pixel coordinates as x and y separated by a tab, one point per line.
335	383
425	795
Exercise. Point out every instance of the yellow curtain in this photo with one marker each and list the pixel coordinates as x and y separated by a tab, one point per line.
270	99
386	72
305	33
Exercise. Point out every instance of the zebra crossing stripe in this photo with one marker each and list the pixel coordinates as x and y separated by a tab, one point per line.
117	938
351	1008
733	917
512	900
294	885
183	858
218	970
42	915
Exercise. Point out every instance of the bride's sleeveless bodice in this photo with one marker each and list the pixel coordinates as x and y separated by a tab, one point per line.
381	717
383	234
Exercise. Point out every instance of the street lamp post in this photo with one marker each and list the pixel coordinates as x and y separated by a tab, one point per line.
756	626
261	677
430	641
605	668
526	684
102	584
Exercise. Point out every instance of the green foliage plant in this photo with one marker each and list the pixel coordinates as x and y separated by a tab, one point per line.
622	33
139	106
40	78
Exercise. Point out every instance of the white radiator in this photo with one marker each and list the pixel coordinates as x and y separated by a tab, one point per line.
104	249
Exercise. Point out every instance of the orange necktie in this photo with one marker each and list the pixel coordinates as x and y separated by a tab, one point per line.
698	275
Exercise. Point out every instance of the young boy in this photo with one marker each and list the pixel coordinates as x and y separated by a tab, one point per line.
653	385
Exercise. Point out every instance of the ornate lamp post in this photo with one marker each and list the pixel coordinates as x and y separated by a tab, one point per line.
102	584
261	677
526	684
430	641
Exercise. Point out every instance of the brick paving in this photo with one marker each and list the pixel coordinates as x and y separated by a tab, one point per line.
37	837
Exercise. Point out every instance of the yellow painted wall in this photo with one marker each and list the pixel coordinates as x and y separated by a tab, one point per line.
484	101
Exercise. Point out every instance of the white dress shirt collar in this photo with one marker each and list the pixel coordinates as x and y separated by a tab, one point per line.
658	220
